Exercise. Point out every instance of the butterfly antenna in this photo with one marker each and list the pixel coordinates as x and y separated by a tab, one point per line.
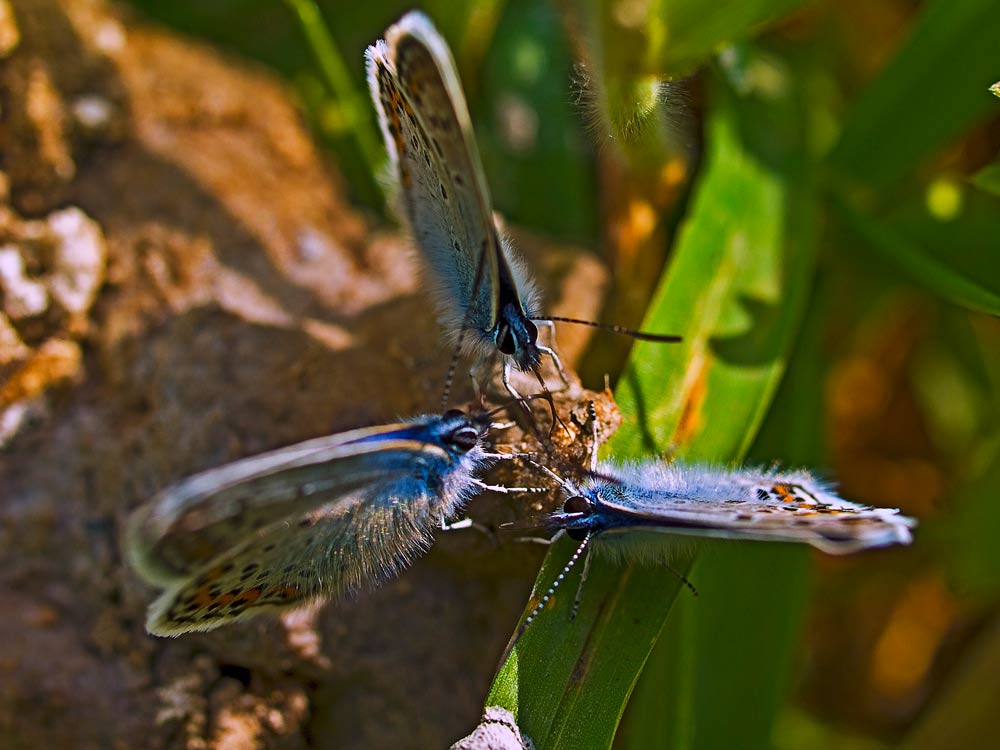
564	483
639	335
592	414
446	395
546	597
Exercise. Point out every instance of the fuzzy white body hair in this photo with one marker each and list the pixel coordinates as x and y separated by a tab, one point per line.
650	481
634	508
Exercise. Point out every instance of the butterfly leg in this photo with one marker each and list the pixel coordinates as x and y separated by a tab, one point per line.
558	364
468	523
505	377
551	349
534	540
548	542
509	490
465	523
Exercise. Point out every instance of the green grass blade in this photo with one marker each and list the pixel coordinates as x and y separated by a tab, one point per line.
988	179
750	594
693	30
541	173
933	89
736	289
737	639
355	106
934	270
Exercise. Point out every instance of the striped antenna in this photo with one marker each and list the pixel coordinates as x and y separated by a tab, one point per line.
640	335
546	597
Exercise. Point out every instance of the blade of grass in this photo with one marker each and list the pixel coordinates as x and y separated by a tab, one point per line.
632	53
354	105
751	594
693	30
988	179
534	149
735	289
934	271
935	87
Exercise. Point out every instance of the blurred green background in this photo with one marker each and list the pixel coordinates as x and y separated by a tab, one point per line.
810	193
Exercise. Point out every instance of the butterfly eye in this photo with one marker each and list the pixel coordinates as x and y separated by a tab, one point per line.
464	439
578	504
452	413
532	331
505	340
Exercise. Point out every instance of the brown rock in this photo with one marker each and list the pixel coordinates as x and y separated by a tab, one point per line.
245	306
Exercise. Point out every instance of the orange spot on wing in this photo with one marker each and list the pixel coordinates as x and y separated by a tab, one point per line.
785	493
202	598
250	596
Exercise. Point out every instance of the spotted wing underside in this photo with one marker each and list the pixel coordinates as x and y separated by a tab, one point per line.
441	185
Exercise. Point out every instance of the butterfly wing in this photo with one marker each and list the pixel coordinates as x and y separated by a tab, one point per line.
350	544
746	504
442	187
191	522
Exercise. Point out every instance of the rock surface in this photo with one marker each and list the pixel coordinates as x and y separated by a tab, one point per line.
217	296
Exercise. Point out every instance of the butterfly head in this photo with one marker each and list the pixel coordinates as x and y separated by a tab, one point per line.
577	518
462	433
516	337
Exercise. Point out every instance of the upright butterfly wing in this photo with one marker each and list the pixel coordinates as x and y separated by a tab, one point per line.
443	191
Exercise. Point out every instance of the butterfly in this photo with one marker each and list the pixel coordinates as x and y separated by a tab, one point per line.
486	299
621	501
638	512
319	518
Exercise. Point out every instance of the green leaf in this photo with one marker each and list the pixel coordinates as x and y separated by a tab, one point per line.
693	30
940	265
354	106
988	178
933	89
736	289
751	593
535	151
735	640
